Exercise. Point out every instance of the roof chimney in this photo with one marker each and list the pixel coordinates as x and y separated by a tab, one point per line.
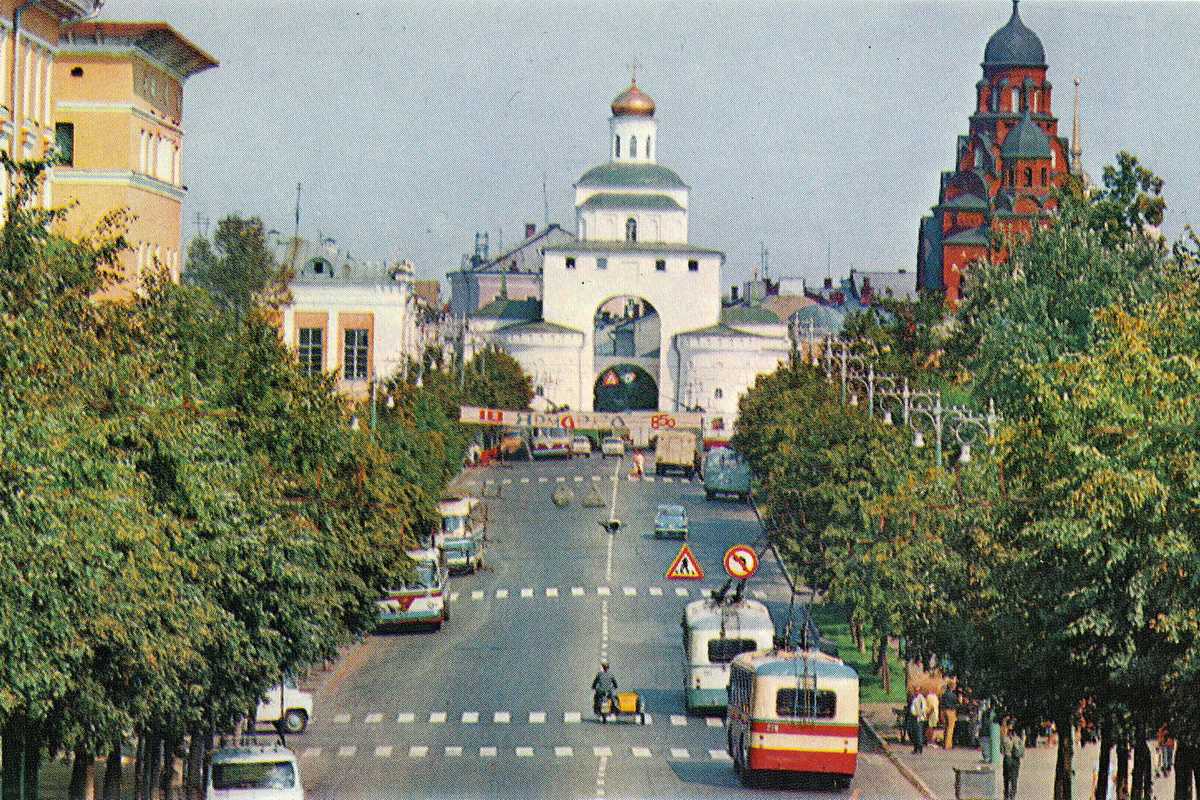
733	293
530	230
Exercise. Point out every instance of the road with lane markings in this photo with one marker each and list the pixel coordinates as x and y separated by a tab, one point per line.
497	703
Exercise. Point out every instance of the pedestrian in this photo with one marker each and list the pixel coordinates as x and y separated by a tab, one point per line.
918	711
1012	750
639	464
950	704
1166	750
985	729
931	702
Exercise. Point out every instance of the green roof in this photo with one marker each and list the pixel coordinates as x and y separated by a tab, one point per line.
503	308
721	329
652	202
979	236
968	201
639	176
541	326
1026	140
744	314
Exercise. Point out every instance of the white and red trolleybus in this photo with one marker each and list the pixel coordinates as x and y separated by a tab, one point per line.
793	711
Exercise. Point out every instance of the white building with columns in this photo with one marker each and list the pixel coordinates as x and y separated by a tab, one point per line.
631	314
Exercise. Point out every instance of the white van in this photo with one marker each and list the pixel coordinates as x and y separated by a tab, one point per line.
287	707
254	772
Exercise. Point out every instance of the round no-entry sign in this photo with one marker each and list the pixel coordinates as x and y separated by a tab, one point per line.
741	561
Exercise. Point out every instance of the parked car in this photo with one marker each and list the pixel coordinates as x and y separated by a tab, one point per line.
581	446
671	522
285	706
254	772
612	446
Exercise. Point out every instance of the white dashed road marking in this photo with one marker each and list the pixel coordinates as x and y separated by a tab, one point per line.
571	716
681	592
564	752
603	591
373	719
341	718
551	591
576	591
383	751
656	591
524	752
487	752
437	716
640	752
502	593
347	751
680	752
602	752
527	592
719	755
311	752
477	594
537	717
629	591
715	722
418	751
470	717
678	720
453	752
501	717
406	717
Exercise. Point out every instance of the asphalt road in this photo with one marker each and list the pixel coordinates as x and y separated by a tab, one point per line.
497	703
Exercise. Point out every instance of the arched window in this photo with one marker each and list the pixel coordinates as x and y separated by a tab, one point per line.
631	230
1029	176
1016	100
617	146
633	147
648	147
1043	176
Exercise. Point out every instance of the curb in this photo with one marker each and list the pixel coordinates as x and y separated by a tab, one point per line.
900	766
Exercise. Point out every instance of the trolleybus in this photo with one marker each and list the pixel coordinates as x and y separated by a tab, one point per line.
793	711
715	630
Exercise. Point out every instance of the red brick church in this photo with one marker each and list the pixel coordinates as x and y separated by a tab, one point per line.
1005	168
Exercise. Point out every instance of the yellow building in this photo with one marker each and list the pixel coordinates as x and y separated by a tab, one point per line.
27	129
118	105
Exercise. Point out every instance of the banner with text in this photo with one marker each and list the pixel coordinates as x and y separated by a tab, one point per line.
582	420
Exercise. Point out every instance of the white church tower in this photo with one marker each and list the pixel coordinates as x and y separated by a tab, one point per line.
631	281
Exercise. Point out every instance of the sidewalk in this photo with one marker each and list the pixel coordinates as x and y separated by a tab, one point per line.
932	771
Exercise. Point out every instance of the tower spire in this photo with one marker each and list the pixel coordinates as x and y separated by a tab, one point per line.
1076	147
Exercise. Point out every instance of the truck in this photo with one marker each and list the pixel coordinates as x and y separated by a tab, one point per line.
286	707
676	450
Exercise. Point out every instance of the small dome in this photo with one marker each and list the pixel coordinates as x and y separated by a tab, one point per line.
1014	45
633	101
1026	140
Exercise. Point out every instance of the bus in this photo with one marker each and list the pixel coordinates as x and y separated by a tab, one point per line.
461	537
793	711
420	599
726	473
552	443
715	630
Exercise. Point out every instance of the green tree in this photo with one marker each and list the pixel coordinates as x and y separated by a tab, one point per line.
238	268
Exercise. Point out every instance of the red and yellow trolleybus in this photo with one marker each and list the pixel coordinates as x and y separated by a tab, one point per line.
792	711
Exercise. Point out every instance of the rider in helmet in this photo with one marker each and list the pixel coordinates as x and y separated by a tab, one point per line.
603	685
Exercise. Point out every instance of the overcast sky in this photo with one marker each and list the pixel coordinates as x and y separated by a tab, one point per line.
815	130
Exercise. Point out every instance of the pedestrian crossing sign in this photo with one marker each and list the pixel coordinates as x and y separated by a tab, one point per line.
685	566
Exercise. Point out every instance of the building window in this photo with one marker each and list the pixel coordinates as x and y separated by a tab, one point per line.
647	147
661	265
570	262
617	146
718	394
1016	101
601	263
633	147
1029	176
310	351
693	265
354	359
64	142
631	230
1043	176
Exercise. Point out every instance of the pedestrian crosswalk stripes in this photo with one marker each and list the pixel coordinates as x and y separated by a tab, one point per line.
581	591
502	717
422	751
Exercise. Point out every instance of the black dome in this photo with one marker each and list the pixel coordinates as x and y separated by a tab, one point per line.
1014	45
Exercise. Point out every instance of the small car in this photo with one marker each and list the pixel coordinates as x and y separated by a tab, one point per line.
254	772
581	446
612	446
670	522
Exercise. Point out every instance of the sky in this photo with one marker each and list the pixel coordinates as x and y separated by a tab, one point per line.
814	130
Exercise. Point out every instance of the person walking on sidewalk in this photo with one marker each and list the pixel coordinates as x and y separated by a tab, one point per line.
918	712
931	705
950	707
1012	750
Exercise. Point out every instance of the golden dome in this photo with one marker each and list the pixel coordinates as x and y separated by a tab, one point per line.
633	101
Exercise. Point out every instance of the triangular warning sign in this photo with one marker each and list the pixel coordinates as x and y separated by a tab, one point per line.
685	566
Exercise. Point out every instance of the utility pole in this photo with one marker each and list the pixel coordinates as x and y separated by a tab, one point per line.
296	236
